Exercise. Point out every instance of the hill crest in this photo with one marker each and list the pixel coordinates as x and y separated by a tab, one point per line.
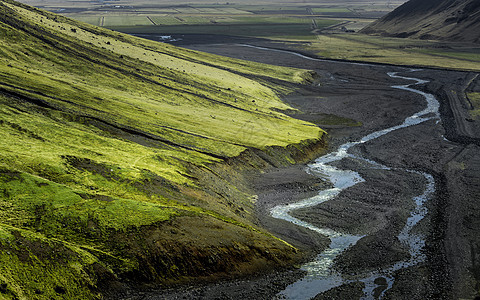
449	20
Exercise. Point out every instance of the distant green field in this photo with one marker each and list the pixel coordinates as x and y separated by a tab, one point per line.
212	10
268	26
166	20
86	11
273	19
276	20
126	20
262	8
330	10
94	20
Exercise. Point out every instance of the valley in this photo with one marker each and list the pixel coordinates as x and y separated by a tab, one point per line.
276	154
334	30
363	100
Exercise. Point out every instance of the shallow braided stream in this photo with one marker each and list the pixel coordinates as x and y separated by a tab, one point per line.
320	274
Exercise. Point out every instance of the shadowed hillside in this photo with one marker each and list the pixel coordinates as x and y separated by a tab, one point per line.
452	20
122	159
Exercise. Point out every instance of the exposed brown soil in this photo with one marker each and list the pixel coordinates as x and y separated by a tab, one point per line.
379	207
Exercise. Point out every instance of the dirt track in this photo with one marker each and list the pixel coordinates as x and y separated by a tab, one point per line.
379	207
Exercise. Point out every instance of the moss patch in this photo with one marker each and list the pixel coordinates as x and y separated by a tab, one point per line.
35	267
113	146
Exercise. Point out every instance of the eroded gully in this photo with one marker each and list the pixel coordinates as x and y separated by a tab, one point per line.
320	274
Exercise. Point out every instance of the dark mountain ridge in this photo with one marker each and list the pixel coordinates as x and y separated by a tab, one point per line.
449	20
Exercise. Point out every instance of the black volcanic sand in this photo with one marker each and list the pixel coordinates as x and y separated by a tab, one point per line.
350	101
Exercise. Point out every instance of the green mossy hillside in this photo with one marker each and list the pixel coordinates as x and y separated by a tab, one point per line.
141	84
121	159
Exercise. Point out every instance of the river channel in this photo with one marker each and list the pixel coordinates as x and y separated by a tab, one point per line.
320	276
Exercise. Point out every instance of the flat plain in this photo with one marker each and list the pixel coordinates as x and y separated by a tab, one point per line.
326	28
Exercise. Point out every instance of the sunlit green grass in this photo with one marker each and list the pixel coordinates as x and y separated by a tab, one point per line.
39	271
149	105
106	137
196	111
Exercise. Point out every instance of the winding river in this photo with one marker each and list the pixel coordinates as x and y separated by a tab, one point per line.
320	276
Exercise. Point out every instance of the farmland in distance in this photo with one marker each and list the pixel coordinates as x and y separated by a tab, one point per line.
294	20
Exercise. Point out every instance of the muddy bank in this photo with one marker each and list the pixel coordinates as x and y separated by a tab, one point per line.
350	101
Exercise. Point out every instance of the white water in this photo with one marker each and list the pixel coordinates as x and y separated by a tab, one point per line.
159	38
320	276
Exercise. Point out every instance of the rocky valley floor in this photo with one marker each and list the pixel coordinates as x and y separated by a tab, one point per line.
350	101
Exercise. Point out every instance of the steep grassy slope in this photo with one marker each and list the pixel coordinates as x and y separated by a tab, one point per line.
121	158
453	20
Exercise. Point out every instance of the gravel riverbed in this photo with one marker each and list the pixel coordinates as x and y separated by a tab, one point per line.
351	101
